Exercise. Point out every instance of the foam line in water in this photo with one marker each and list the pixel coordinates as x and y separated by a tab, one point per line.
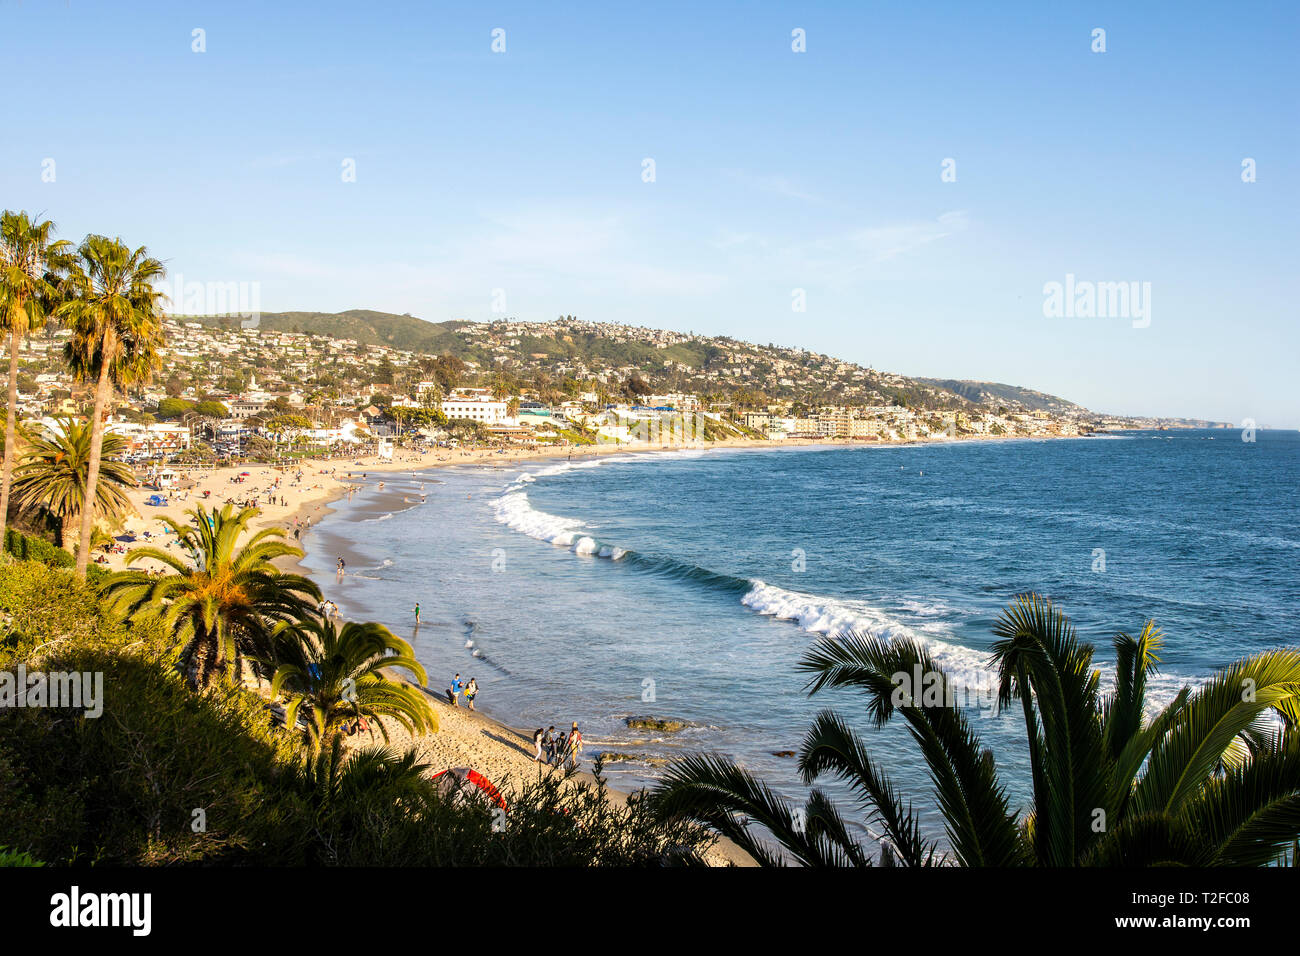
831	617
515	512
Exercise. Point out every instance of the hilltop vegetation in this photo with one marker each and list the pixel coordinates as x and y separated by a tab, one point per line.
994	393
364	326
669	361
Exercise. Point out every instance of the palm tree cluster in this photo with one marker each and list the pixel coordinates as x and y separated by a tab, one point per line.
1210	779
231	610
103	291
222	598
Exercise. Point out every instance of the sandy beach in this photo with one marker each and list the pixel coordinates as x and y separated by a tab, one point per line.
465	738
307	488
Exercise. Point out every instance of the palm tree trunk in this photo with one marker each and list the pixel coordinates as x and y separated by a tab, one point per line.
11	435
204	661
92	469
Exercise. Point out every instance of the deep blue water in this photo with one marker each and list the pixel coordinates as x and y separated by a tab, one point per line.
720	567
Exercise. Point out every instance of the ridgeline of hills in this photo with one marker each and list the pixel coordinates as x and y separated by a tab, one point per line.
671	360
364	326
995	393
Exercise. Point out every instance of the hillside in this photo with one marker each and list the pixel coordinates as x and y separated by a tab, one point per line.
676	361
362	325
995	393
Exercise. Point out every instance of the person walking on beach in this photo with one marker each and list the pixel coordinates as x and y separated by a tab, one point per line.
538	736
471	691
455	691
575	746
548	744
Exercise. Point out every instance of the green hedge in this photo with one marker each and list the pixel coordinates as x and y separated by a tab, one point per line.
26	548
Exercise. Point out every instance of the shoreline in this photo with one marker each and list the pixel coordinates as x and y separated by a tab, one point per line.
464	738
333	479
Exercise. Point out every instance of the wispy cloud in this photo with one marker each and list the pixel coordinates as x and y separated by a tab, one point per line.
876	249
773	184
880	243
541	253
283	160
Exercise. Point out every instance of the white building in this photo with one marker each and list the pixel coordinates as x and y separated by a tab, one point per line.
476	407
149	439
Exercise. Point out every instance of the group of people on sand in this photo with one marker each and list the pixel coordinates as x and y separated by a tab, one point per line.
459	688
557	749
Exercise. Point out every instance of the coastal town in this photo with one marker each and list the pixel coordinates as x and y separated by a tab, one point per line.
528	457
229	392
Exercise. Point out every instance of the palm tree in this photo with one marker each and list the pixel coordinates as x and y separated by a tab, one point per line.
223	600
338	675
116	320
54	470
28	261
1213	779
334	775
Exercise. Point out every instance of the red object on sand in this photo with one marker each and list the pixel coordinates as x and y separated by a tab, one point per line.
460	776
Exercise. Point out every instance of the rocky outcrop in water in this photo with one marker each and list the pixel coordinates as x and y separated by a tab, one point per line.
665	724
610	756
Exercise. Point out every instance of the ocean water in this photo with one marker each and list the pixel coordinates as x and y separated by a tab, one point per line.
688	584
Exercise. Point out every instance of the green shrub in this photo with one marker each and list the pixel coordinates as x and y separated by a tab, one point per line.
27	548
41	605
125	787
9	857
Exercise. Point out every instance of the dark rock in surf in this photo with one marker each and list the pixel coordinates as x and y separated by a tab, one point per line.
665	724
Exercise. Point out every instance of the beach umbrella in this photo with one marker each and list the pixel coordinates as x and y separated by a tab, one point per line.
458	781
125	537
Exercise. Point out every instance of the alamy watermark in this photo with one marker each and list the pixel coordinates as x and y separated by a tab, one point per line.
78	690
649	427
1084	299
931	688
241	300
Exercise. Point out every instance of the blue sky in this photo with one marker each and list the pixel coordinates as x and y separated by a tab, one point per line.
774	171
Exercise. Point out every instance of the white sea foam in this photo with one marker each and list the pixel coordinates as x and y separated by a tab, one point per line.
821	615
967	668
514	510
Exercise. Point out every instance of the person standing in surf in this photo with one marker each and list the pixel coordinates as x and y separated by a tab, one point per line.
574	747
417	613
455	691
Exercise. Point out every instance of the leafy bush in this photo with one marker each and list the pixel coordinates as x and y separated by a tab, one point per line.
125	787
382	820
9	857
40	605
27	548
